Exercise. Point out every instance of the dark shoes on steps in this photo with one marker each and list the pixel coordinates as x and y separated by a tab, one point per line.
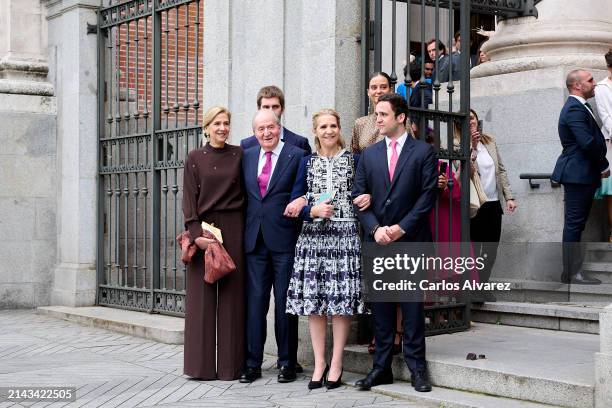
377	376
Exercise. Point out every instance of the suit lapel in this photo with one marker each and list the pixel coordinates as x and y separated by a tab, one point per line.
403	159
382	162
284	158
251	173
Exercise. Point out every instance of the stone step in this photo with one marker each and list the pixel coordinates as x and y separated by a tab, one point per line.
598	251
599	270
544	292
521	363
443	397
161	328
552	316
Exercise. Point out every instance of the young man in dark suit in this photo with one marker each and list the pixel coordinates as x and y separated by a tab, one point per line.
269	171
580	168
401	175
272	98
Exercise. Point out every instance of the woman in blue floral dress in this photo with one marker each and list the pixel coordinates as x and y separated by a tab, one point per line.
326	278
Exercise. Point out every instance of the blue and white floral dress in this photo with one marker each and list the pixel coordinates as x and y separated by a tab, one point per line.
326	277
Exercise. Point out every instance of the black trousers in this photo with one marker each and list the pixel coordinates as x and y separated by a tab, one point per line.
578	202
485	233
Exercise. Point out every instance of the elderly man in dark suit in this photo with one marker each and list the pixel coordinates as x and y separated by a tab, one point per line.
580	168
269	243
401	175
272	98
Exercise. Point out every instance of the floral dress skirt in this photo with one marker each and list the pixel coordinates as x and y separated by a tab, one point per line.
326	276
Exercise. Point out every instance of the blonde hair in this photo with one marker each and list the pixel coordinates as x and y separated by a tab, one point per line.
211	114
316	116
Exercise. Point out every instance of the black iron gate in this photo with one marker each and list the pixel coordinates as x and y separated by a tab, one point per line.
444	119
149	54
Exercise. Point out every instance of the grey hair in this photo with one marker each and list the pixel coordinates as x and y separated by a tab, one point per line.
276	118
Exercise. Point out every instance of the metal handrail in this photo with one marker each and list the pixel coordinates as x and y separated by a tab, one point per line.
538	176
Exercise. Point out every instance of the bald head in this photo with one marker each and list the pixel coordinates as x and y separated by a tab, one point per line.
580	82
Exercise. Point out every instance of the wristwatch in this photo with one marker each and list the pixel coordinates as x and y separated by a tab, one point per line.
373	231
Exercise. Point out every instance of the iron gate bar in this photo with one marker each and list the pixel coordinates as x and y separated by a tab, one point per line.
155	175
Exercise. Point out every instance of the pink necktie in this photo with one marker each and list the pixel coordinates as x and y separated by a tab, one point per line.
264	177
393	161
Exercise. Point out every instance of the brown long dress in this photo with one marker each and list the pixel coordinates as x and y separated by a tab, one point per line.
214	317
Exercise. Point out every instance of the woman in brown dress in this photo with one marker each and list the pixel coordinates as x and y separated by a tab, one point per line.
212	192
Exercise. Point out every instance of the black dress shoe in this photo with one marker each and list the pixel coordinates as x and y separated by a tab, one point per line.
330	385
286	374
580	279
376	376
298	368
250	374
420	381
313	385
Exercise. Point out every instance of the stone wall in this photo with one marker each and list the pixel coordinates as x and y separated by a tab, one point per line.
28	205
308	48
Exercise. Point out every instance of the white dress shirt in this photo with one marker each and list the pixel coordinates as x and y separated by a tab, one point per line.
400	143
603	97
262	159
486	168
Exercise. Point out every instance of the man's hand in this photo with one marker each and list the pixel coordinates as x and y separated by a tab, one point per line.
323	210
381	237
605	174
362	201
511	206
394	232
202	242
442	181
294	208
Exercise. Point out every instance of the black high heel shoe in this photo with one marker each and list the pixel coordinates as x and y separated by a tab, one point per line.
313	385
330	385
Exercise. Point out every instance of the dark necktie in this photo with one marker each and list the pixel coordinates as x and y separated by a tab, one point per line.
597	120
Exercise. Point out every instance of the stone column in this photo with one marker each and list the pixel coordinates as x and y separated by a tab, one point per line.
23	64
75	73
603	361
565	33
27	158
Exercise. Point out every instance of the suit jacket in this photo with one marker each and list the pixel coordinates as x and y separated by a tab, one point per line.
584	148
408	199
266	214
447	63
504	192
288	137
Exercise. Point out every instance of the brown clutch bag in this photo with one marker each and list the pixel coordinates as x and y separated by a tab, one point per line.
217	262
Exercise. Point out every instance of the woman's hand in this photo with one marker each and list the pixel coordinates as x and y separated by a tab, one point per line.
362	201
294	208
442	181
202	242
511	206
323	210
475	138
